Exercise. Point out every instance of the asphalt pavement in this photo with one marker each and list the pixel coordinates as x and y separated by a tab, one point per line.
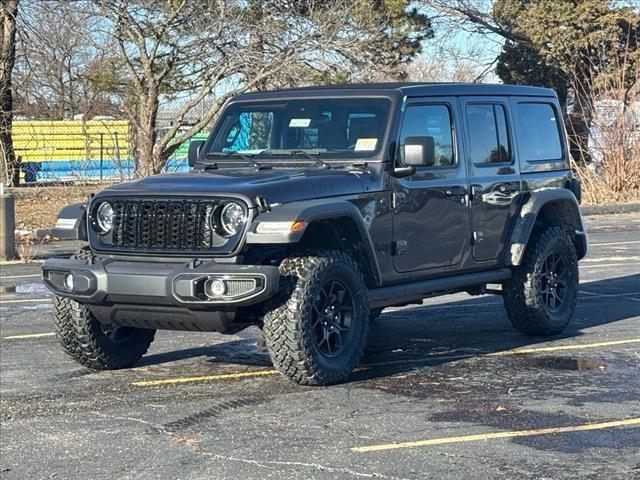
446	390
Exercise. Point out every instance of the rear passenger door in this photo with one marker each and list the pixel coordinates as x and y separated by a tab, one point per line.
495	184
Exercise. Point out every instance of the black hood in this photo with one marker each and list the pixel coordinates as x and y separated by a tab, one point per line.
275	186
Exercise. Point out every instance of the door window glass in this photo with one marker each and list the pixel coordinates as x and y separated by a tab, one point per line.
488	137
539	133
433	121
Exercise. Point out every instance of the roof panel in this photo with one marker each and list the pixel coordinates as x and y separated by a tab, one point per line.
411	89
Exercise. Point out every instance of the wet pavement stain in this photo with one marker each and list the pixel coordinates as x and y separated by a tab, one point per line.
560	363
31	288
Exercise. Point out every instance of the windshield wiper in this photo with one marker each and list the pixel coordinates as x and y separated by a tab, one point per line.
310	154
248	156
231	153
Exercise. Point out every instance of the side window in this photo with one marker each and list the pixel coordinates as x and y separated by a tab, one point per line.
488	137
539	133
432	121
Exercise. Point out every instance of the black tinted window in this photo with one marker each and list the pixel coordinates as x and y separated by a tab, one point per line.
488	136
539	136
431	121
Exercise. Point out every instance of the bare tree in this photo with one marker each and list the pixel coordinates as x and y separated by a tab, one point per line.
555	44
62	70
207	51
9	168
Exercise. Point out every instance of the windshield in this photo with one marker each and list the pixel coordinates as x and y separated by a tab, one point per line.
327	128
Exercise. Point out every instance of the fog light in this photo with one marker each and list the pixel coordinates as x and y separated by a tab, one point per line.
217	288
68	281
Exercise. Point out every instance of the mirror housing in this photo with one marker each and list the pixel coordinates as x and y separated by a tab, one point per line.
195	146
402	172
419	151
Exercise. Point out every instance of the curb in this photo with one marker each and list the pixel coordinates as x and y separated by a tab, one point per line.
610	209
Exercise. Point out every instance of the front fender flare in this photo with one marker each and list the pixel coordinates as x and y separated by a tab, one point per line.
309	212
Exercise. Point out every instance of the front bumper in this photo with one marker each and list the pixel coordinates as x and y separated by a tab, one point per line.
108	281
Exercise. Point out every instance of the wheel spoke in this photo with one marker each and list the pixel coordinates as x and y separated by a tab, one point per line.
338	336
334	309
331	288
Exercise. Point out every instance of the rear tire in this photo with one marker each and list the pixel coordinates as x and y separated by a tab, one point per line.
541	297
316	329
93	344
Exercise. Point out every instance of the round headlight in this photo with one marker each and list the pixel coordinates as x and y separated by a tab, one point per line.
104	217
233	218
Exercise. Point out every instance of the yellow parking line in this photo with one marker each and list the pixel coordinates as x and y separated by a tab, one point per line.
613	243
261	373
607	265
515	351
32	335
28	300
628	422
204	378
521	351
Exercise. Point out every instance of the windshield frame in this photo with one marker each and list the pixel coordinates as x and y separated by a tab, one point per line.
264	99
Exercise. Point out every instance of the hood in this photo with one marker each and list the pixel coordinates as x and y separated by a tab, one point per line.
275	186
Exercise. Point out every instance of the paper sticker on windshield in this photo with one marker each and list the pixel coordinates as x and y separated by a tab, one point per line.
366	144
299	122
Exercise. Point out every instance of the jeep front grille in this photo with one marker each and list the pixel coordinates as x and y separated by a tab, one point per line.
169	225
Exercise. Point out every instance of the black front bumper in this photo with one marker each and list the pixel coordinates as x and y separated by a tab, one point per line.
160	295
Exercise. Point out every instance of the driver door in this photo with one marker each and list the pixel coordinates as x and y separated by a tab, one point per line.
430	207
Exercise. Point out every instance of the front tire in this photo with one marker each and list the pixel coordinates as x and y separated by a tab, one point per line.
316	329
93	344
541	297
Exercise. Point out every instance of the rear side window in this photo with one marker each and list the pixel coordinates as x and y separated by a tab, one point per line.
539	133
488	137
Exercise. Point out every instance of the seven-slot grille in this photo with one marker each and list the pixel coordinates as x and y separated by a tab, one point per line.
166	224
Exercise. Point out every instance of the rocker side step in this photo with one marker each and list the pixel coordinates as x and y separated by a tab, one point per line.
408	292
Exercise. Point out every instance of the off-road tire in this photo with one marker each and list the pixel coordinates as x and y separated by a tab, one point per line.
523	293
82	337
288	319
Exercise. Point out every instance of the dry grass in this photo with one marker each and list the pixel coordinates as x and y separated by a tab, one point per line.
38	207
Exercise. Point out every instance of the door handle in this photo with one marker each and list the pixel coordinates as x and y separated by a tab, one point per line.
457	194
455	191
508	188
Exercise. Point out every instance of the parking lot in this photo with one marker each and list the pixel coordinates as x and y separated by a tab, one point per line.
446	390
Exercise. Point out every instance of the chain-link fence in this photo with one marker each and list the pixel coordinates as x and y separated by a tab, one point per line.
80	151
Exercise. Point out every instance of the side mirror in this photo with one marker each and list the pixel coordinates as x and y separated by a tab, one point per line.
419	151
194	151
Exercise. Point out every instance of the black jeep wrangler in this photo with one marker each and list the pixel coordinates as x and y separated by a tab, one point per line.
308	211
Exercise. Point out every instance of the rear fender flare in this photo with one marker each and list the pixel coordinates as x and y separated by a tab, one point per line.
564	206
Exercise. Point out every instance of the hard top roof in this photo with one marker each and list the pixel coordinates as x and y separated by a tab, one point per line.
411	89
